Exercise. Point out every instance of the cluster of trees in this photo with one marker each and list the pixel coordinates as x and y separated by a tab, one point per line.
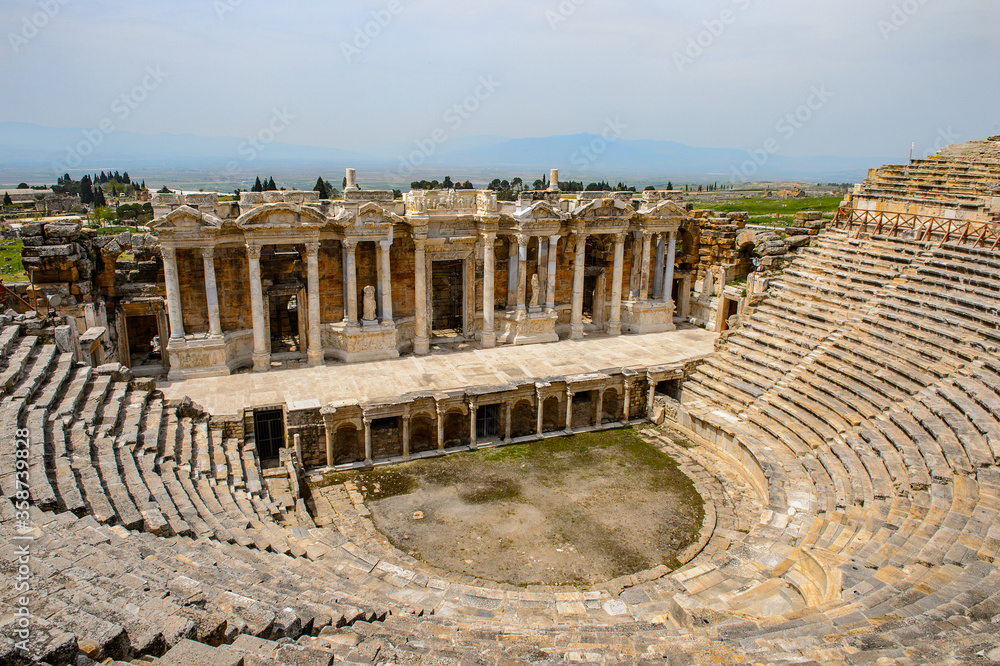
266	186
326	189
139	213
90	189
445	184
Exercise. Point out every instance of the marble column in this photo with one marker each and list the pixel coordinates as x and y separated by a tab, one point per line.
522	273
569	411
261	348
644	266
315	354
368	441
386	245
211	292
351	282
539	412
472	424
550	287
510	405
440	427
512	264
599	412
541	269
489	295
330	454
173	294
658	269
668	268
421	340
579	263
615	324
406	436
627	407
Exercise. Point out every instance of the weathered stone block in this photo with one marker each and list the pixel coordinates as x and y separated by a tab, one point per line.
69	231
33	241
32	229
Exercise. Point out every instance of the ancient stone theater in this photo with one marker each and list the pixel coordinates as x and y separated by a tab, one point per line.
831	389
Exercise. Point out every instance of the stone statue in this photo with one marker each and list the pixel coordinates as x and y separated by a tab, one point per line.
369	304
533	304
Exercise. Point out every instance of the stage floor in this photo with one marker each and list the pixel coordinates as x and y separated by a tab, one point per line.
442	370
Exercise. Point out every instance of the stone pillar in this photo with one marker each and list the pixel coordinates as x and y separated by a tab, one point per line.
173	294
472	424
627	407
422	340
489	275
328	428
644	266
668	268
211	292
406	436
522	274
599	412
569	411
368	441
615	324
261	347
386	245
650	394
351	282
539	412
512	264
312	287
510	405
658	269
352	181
576	317
541	270
554	180
440	427
550	287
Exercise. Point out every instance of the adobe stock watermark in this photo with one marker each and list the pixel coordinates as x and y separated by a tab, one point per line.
699	43
22	542
786	128
900	16
223	7
122	107
453	118
587	154
37	21
562	13
946	136
255	144
365	35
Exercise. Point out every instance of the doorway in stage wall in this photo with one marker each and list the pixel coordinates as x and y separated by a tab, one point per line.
447	298
268	431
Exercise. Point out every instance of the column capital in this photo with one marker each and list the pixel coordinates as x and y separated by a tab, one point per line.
488	236
522	240
386	243
169	252
620	237
581	236
646	234
350	244
253	251
420	242
312	249
554	240
367	420
208	252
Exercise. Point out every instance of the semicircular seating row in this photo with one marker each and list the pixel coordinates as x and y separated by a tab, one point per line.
861	398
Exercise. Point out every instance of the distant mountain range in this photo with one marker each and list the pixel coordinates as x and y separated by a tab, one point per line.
34	151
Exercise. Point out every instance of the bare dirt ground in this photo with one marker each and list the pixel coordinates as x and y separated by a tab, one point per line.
571	510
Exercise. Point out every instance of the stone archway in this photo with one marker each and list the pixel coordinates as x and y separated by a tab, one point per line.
611	408
522	419
553	418
423	434
348	444
456	429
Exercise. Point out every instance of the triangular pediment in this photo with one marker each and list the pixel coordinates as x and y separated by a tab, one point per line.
541	211
373	215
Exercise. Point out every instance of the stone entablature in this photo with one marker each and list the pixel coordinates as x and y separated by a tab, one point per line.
427	266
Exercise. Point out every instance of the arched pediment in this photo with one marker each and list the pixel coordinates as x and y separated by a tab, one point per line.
541	211
373	215
604	209
186	219
281	216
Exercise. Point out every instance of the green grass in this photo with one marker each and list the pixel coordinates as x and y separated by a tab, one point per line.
112	231
776	206
11	268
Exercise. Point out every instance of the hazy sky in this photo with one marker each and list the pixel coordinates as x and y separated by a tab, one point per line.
878	74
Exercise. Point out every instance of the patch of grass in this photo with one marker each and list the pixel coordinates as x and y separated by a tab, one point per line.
492	490
758	206
11	268
373	484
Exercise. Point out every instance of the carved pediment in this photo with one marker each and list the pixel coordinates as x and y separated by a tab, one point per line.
665	209
605	208
373	215
281	216
541	211
186	219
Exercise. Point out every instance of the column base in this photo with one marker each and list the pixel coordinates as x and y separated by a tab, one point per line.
648	317
615	328
530	329
316	357
421	346
576	331
489	339
261	362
